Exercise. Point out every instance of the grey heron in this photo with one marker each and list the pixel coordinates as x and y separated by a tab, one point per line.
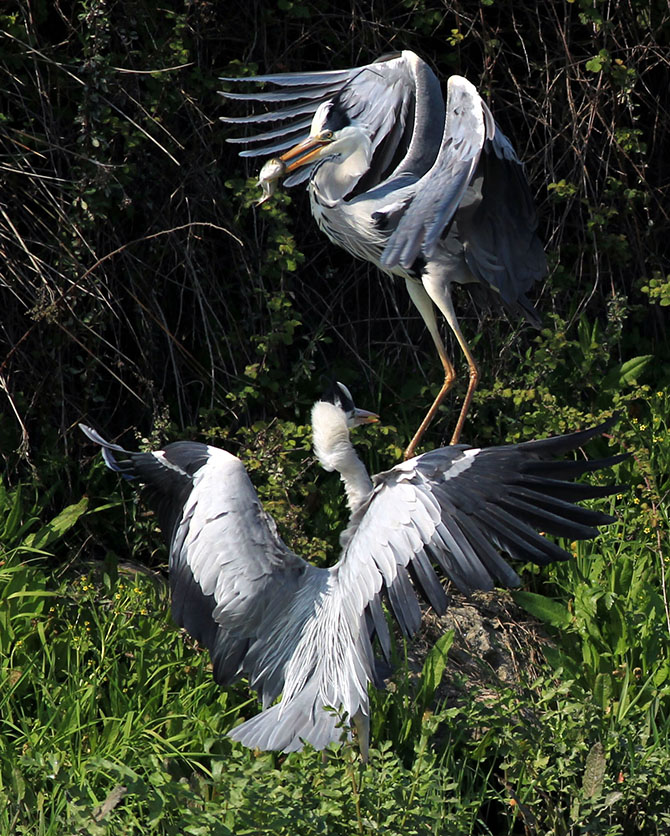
429	192
306	633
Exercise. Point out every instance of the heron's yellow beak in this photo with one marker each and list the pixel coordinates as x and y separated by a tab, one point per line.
302	153
362	416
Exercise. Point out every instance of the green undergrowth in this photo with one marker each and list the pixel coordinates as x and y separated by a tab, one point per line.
144	292
111	722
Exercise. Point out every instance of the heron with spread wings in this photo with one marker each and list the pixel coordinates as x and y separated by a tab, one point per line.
428	191
306	633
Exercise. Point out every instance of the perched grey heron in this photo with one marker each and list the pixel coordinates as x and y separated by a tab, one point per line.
434	194
306	632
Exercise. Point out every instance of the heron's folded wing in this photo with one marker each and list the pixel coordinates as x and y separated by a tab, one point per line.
502	248
441	189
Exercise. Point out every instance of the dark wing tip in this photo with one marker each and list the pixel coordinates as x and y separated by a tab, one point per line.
560	444
125	468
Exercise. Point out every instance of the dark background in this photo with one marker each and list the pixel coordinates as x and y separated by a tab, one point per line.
139	286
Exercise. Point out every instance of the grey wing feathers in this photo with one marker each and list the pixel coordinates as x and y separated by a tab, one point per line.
502	248
441	189
229	570
456	507
303	94
397	98
168	479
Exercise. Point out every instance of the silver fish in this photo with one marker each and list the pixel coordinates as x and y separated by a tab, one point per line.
268	179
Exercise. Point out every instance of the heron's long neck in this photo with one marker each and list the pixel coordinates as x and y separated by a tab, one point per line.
334	450
335	177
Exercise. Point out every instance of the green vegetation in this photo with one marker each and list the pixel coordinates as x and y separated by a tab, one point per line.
141	289
100	692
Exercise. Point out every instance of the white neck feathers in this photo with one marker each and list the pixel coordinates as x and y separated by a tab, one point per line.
351	156
334	450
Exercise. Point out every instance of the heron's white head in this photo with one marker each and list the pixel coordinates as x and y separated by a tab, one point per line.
336	138
332	418
340	397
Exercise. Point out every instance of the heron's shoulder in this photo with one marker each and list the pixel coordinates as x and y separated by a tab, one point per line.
444	463
192	457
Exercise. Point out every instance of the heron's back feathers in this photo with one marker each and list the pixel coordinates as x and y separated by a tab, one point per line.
430	163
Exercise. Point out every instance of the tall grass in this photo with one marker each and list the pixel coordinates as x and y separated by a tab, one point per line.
111	722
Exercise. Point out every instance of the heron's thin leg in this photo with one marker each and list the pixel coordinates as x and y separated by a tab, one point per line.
424	305
438	291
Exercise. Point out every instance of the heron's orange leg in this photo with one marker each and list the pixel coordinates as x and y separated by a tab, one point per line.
449	377
437	289
472	385
425	307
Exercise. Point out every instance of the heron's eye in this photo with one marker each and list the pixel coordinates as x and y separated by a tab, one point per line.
326	135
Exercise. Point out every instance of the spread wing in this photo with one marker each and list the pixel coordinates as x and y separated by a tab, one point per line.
232	578
456	508
397	98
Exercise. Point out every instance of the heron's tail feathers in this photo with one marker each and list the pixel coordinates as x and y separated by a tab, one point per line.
290	724
325	681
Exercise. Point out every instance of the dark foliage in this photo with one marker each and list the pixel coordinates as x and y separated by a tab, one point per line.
140	287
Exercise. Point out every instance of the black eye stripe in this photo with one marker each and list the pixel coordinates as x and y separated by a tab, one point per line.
336	119
335	394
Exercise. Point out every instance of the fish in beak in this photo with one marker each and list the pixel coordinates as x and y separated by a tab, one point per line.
268	178
277	167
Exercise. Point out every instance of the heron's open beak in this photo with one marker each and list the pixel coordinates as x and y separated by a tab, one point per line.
362	416
302	153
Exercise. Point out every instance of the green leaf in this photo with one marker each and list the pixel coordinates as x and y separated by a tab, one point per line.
602	690
544	608
595	64
594	771
13	521
434	668
54	530
627	372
